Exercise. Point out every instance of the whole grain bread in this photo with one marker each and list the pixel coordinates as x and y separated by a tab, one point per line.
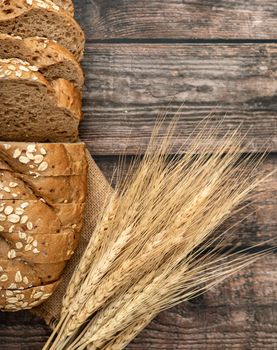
38	274
46	244
53	189
17	299
32	108
52	60
29	18
38	233
58	159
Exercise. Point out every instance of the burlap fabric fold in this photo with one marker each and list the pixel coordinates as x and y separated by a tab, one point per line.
98	189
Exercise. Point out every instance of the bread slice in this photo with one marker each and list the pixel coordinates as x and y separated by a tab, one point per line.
32	108
46	245
33	275
29	18
58	159
53	60
53	189
17	299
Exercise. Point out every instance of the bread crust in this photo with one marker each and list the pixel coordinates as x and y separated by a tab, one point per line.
53	189
28	18
15	300
62	159
35	274
52	59
46	244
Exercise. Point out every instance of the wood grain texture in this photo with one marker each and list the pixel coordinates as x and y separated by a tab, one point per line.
241	313
22	331
178	19
127	86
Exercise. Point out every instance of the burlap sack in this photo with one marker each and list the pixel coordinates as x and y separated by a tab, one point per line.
98	189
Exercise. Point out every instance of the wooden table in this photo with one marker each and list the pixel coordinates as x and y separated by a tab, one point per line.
219	57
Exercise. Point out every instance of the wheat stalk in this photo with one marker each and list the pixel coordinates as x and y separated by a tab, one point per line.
146	252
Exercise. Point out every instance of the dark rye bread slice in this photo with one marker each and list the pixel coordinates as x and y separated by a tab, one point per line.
29	18
53	60
33	108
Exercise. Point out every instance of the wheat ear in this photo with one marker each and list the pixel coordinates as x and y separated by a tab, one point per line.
120	277
91	286
176	204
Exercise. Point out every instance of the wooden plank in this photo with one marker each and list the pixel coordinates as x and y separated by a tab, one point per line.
23	331
258	222
127	86
178	19
241	313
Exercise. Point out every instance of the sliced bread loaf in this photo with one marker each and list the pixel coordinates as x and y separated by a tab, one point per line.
29	18
36	239
58	159
53	60
33	108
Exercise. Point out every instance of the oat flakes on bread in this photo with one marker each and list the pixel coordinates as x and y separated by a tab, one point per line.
52	60
38	274
37	238
32	108
18	299
29	18
58	159
46	244
53	189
